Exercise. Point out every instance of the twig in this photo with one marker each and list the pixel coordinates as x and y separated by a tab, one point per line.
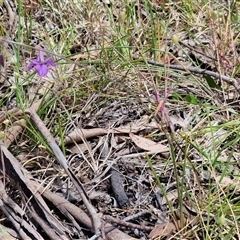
69	210
126	219
96	222
107	230
110	219
15	214
227	79
13	132
51	233
103	233
134	216
3	39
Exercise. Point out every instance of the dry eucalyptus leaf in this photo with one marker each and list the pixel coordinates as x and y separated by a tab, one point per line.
137	125
164	229
147	144
171	196
79	148
78	134
228	182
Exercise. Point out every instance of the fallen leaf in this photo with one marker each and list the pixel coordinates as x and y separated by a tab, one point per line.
171	195
79	148
137	125
147	144
228	182
177	120
164	229
78	134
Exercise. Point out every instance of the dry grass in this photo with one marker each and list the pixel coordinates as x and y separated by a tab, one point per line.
103	80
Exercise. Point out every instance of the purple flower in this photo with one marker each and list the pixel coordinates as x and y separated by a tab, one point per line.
40	65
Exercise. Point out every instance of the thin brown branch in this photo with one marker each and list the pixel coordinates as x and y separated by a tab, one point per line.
51	233
71	211
195	70
13	132
96	222
110	219
14	214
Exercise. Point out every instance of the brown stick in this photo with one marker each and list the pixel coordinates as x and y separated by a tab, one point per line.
67	208
111	219
51	233
195	70
96	222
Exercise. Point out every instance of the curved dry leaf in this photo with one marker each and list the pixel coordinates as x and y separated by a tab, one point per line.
79	148
171	196
77	135
164	229
147	144
137	125
227	182
13	132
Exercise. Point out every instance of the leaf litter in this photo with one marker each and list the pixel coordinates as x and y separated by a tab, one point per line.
108	133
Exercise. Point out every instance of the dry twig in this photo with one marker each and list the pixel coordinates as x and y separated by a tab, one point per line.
195	70
126	224
96	222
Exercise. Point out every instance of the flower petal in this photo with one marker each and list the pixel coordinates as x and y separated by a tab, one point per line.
41	70
50	62
30	66
40	57
41	65
32	63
